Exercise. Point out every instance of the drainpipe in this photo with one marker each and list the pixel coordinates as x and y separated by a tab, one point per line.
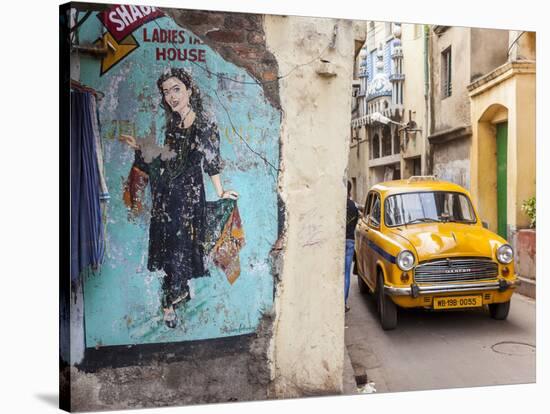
95	50
427	148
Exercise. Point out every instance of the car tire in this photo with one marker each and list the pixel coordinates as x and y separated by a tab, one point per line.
363	288
499	311
387	310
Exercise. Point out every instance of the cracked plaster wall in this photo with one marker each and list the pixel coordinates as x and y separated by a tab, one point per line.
301	352
308	342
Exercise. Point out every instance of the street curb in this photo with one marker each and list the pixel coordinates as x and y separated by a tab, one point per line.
349	386
528	287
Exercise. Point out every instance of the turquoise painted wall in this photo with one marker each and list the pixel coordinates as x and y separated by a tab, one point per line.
122	300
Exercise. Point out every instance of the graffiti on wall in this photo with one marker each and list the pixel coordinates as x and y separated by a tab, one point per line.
190	143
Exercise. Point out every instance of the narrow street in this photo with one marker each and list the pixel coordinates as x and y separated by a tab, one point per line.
436	350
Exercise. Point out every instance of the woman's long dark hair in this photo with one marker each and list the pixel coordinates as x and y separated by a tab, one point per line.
195	101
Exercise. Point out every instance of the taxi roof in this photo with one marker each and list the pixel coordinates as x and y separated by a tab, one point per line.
407	186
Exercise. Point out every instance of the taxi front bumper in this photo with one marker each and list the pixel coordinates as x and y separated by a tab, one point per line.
415	290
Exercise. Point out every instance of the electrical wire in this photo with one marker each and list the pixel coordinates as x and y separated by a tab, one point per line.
79	23
242	139
256	82
514	42
221	76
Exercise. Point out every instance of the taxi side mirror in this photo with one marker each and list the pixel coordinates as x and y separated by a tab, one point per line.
485	224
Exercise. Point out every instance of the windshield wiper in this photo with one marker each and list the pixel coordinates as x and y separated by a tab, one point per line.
454	220
423	220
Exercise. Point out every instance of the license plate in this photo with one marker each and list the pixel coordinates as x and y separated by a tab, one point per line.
453	302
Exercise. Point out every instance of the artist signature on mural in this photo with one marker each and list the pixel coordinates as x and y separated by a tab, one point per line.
240	329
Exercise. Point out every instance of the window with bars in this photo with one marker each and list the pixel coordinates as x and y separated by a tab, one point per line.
375	147
386	141
446	73
397	142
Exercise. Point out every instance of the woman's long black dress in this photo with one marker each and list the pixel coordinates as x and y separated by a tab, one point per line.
178	214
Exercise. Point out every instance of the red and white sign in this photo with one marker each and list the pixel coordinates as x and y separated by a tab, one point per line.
121	20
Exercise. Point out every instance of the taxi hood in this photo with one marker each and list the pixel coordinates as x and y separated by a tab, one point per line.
436	240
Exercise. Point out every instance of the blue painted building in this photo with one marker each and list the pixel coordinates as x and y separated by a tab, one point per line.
380	101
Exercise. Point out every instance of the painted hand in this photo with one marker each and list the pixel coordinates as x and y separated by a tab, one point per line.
230	194
129	140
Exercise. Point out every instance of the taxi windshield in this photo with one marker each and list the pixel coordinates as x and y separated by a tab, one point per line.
427	207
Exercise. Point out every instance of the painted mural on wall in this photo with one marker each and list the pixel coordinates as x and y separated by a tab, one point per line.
189	146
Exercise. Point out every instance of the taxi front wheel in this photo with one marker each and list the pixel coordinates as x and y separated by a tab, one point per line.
386	308
499	311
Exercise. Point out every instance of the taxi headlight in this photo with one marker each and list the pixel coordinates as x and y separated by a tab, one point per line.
505	254
405	260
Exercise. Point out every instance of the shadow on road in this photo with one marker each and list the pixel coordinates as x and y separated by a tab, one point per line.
465	319
441	349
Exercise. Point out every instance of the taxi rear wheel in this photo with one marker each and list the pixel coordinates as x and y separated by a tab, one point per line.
386	308
363	288
499	311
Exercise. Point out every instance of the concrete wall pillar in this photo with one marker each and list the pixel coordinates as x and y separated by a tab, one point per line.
525	156
308	342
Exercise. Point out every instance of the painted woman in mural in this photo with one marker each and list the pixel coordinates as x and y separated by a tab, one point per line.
178	223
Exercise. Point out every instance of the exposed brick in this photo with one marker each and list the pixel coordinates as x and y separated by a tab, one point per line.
243	21
239	38
247	52
226	36
269	76
195	18
269	60
214	19
255	21
255	38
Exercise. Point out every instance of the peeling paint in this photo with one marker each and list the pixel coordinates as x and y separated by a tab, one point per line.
122	302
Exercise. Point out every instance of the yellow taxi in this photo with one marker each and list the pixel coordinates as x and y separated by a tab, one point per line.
420	243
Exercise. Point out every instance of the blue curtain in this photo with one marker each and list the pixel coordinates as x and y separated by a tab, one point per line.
87	243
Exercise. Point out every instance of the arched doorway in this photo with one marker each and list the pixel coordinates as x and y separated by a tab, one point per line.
493	168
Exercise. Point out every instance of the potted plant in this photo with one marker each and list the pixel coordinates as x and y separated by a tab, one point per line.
526	240
529	207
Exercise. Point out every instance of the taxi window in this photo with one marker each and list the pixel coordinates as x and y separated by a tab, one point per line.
429	206
375	215
368	204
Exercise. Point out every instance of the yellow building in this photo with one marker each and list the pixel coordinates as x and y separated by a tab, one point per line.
502	158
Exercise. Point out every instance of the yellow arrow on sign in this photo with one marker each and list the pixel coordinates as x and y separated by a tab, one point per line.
115	51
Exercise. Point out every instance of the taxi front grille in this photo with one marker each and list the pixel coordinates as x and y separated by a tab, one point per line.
456	270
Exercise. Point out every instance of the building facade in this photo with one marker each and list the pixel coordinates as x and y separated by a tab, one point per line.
458	56
503	158
430	100
388	133
454	102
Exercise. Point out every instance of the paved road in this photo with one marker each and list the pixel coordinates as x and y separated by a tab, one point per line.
435	350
